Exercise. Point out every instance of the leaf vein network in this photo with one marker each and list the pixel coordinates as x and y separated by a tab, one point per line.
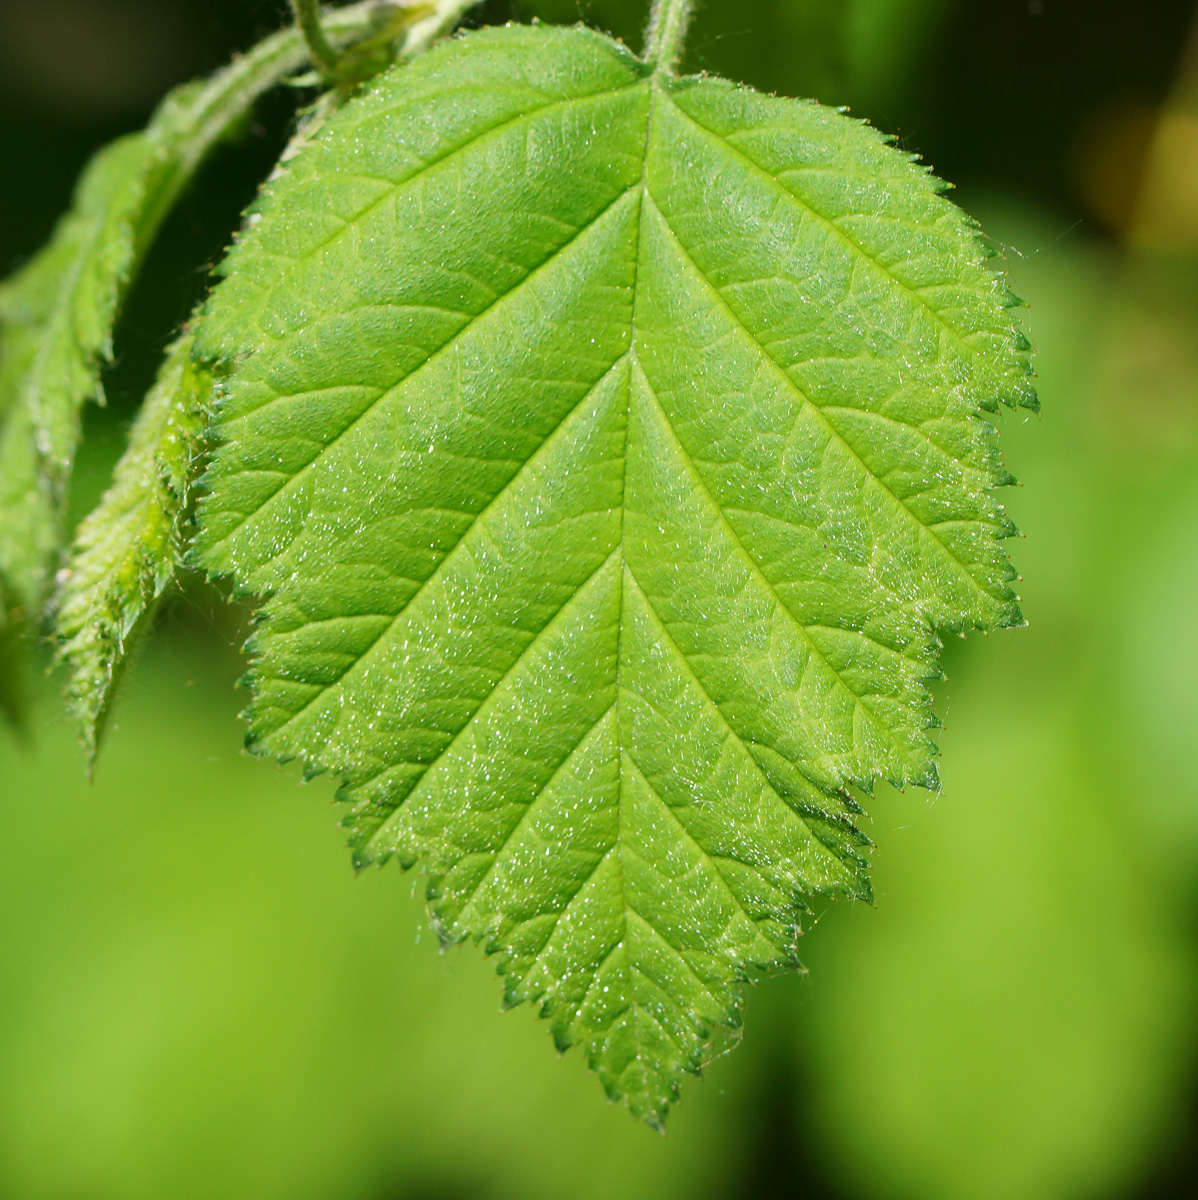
300	472
782	374
526	810
693	841
831	225
499	495
754	566
681	655
350	223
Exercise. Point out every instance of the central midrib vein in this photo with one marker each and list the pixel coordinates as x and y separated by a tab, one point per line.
619	842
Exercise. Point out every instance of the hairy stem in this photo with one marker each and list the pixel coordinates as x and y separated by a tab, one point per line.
230	93
307	17
667	30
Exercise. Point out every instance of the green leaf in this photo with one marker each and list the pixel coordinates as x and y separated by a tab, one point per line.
129	549
57	315
609	449
56	321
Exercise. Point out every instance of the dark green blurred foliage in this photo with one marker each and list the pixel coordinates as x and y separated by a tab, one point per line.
850	50
200	1000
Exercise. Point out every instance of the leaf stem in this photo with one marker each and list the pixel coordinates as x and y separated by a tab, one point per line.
230	93
349	65
307	17
205	117
445	15
667	31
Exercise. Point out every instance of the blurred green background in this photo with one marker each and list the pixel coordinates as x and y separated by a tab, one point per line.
197	999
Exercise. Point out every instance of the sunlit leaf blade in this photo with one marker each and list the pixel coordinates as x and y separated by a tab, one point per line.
128	550
608	449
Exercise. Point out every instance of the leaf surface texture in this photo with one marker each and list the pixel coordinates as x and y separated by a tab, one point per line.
608	449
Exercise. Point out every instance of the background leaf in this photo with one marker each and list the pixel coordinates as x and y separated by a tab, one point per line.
56	322
610	447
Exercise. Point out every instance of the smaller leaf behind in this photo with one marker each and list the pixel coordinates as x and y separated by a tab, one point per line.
56	319
57	314
128	550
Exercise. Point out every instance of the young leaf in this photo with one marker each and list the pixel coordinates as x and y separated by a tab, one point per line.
57	315
609	449
56	321
129	548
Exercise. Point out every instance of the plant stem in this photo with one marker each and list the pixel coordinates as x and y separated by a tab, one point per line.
230	93
446	14
667	30
223	100
434	18
307	17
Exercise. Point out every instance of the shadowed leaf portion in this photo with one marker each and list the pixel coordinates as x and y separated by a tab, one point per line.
12	670
56	320
608	449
